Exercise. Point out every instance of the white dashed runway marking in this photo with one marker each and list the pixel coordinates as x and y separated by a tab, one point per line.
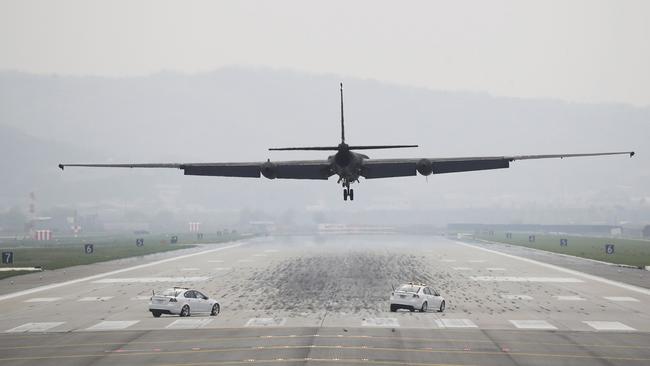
151	279
621	298
222	268
496	269
462	268
532	324
570	298
516	297
141	298
95	298
112	325
34	327
602	325
477	261
526	279
43	299
188	324
265	322
380	322
216	261
455	323
190	269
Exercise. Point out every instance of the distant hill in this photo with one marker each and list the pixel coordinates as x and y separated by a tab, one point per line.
235	114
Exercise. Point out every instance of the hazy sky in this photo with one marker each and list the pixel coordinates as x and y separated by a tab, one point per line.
594	51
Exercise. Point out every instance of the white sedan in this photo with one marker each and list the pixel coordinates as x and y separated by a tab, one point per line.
413	297
183	302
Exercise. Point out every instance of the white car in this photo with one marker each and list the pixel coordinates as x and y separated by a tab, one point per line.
183	302
416	296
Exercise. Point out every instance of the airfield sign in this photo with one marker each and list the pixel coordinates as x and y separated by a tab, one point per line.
609	249
139	242
7	257
89	248
564	242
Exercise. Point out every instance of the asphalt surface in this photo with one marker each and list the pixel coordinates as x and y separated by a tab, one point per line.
306	300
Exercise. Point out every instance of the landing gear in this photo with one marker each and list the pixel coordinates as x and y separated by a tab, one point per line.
347	191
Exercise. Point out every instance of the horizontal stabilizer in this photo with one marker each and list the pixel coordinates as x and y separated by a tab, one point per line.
335	148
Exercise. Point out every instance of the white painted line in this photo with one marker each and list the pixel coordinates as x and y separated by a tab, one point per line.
516	297
216	261
34	327
621	298
112	325
477	261
526	279
244	260
190	269
152	279
265	322
626	286
380	322
43	299
602	325
222	268
188	323
111	273
570	298
95	298
532	324
462	268
496	269
448	260
457	323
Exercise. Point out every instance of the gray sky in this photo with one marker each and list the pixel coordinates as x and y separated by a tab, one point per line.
593	51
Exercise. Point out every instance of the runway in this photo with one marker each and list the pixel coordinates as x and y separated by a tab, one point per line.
307	300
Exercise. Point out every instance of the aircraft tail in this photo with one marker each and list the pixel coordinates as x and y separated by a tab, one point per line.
343	145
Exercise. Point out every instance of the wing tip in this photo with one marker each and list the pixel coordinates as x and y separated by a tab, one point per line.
61	166
632	153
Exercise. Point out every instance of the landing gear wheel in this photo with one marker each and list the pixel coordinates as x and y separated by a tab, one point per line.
424	307
185	311
345	195
442	307
351	194
393	308
215	310
156	314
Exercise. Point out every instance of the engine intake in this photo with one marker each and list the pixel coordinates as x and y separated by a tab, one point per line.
269	170
424	167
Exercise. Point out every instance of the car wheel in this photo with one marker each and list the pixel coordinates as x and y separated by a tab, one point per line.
215	310
156	314
393	308
185	311
424	307
442	306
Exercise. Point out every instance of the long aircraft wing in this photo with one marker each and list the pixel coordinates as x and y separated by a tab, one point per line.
299	169
387	168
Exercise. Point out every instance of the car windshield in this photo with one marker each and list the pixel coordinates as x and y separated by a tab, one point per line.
408	288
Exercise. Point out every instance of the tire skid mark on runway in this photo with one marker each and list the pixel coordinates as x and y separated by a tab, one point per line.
110	273
465	352
565	270
515	341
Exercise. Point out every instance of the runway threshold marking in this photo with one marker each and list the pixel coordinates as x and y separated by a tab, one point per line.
607	325
112	325
622	285
455	323
111	273
34	327
188	323
532	324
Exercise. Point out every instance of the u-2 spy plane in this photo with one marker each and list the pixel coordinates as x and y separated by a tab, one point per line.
346	163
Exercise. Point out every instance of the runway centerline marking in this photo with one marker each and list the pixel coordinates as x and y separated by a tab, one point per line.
603	325
43	299
621	298
96	298
565	270
516	297
570	298
111	273
34	327
526	279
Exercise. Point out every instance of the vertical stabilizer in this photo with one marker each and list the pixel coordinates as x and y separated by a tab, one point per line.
342	122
